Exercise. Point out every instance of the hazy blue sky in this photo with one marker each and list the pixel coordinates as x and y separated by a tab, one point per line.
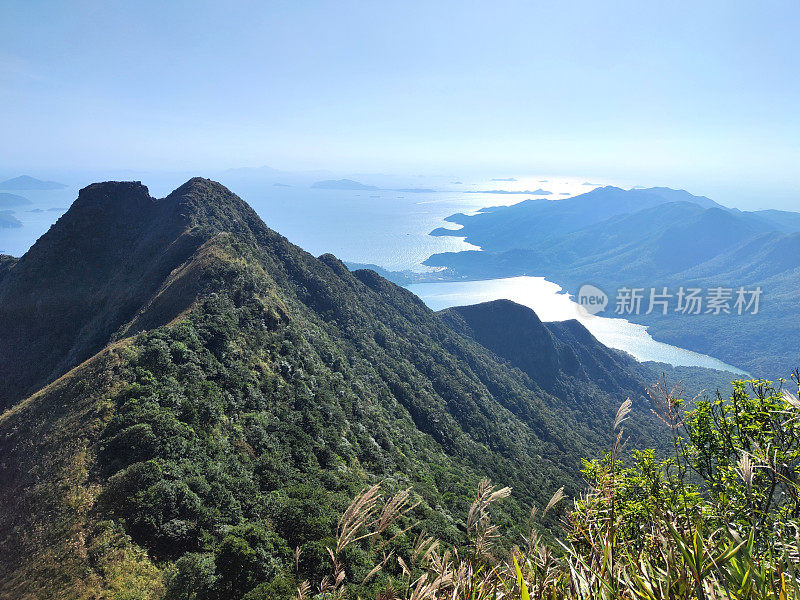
669	91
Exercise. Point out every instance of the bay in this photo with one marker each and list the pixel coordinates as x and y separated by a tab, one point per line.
551	303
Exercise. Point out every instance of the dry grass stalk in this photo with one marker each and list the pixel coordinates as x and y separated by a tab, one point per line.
622	413
303	590
791	399
362	515
478	521
745	470
557	497
360	511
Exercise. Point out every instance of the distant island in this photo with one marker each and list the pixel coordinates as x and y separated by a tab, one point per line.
342	184
25	182
349	184
539	192
8	220
53	209
9	200
504	179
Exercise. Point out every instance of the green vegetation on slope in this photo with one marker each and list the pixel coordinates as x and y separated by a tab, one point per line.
718	519
253	390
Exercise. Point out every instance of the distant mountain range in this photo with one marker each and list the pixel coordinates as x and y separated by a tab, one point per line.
538	192
653	238
24	182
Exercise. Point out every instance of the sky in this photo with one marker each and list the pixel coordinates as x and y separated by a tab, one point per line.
697	94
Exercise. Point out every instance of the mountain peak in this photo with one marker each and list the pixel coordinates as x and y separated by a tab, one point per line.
109	187
200	185
97	268
112	193
134	192
127	208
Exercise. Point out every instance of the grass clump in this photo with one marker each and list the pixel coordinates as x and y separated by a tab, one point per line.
717	519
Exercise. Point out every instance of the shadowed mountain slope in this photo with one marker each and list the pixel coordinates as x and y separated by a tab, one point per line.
98	266
561	357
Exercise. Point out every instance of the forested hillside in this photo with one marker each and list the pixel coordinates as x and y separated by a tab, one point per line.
212	396
653	239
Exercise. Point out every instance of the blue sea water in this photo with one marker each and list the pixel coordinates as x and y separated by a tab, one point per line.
382	227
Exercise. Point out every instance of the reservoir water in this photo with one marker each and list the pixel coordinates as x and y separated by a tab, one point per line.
550	303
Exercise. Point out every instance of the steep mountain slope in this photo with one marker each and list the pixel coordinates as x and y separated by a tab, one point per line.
562	358
547	352
220	393
567	360
6	262
84	279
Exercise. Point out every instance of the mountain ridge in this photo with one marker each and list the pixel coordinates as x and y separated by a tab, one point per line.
209	384
115	229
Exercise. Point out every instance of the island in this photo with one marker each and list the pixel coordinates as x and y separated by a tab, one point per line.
342	184
25	182
9	200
